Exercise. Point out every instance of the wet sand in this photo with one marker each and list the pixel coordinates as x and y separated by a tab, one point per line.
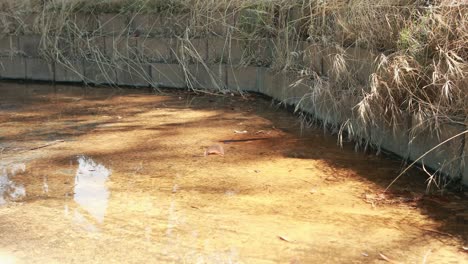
102	175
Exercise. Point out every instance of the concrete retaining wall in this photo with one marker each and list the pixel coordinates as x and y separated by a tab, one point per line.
154	62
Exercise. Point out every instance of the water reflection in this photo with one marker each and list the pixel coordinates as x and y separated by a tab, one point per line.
45	186
90	193
9	190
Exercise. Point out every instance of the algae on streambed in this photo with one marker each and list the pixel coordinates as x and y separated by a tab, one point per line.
105	175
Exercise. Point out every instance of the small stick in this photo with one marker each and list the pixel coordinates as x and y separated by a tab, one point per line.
388	259
44	146
437	232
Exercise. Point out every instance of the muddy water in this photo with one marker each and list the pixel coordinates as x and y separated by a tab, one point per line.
104	175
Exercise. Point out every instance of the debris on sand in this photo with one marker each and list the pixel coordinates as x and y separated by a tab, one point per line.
388	259
215	150
284	238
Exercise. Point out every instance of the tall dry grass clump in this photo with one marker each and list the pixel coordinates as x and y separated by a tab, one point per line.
418	53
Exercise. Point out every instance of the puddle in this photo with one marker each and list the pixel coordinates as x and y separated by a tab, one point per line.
9	107
144	191
9	190
90	193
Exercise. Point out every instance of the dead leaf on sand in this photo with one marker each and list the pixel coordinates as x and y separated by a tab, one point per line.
284	238
215	150
388	259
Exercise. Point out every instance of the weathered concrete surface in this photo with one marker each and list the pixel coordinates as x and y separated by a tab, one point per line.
234	51
156	25
167	75
157	49
85	22
19	22
297	92
285	87
272	84
259	52
92	47
299	20
73	72
288	53
194	50
225	51
8	45
144	25
174	25
221	22
395	141
113	24
121	47
242	79
30	45
218	48
211	78
99	73
447	157
12	68
133	74
39	69
28	23
6	24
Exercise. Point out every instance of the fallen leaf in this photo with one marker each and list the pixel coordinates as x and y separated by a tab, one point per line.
284	238
388	259
215	149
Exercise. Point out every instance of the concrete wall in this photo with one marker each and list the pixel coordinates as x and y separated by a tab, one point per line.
138	59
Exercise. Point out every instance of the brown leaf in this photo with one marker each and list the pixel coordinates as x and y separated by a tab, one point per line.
284	238
215	149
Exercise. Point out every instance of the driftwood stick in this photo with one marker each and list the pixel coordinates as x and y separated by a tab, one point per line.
44	146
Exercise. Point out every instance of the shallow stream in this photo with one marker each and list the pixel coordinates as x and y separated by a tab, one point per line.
102	175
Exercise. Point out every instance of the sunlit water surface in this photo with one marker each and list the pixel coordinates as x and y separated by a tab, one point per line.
103	175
